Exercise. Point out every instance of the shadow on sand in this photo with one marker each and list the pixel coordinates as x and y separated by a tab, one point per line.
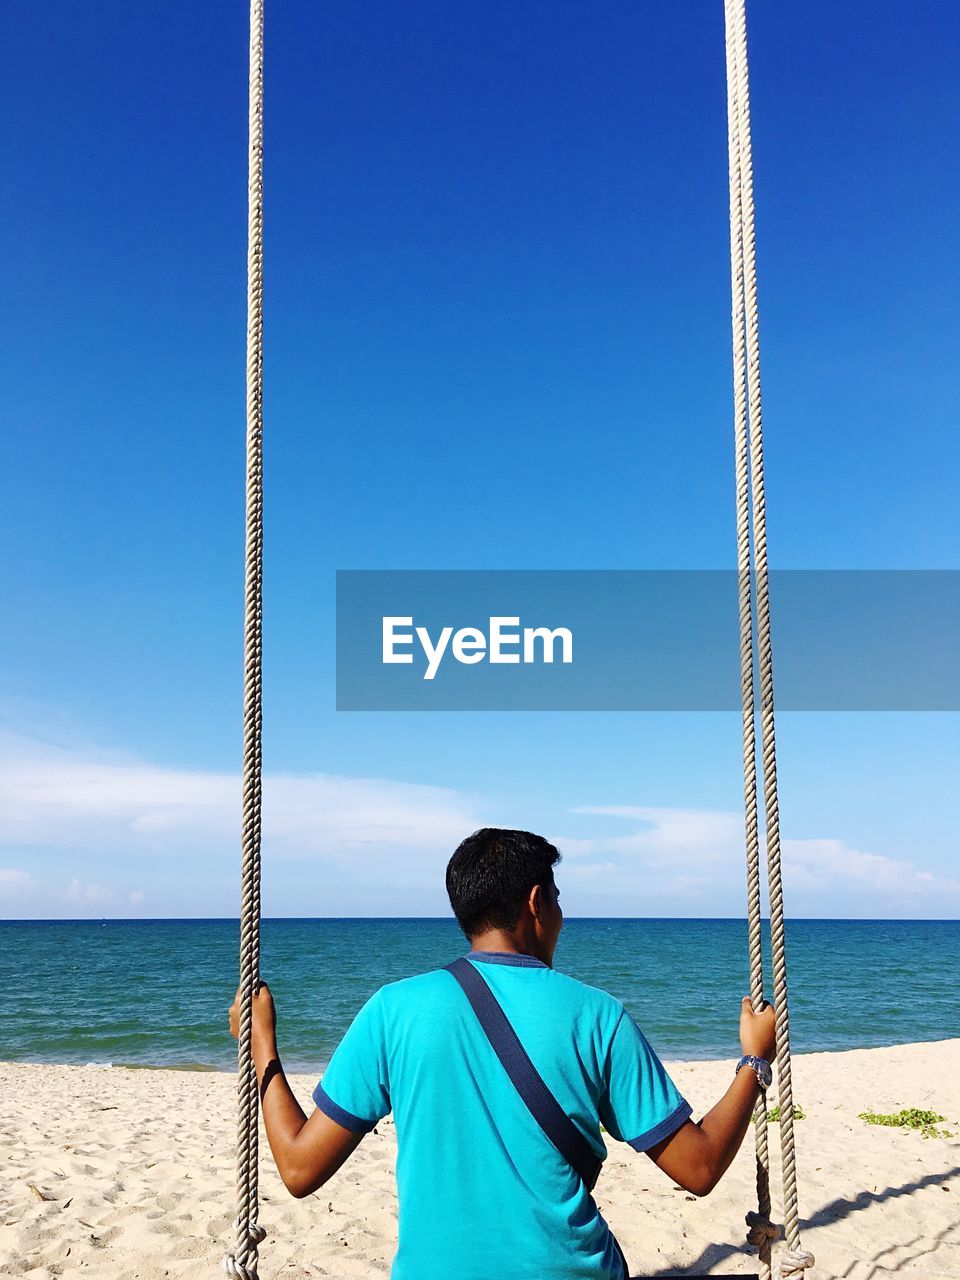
835	1211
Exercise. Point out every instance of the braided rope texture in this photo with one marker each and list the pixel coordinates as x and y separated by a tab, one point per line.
759	1239
751	510
242	1263
750	503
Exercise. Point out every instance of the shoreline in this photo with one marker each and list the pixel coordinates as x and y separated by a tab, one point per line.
200	1068
67	1004
130	1174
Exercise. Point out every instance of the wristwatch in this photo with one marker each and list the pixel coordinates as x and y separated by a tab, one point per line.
761	1068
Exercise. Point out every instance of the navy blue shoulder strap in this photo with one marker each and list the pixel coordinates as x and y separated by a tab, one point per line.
543	1106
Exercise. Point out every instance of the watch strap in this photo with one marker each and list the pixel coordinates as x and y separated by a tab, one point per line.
760	1067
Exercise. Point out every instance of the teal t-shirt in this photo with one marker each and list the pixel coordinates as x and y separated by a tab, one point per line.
483	1193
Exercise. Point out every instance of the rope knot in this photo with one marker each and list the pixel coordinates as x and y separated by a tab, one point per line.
234	1268
762	1230
792	1262
255	1233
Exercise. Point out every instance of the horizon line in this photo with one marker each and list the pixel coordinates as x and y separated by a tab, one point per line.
450	919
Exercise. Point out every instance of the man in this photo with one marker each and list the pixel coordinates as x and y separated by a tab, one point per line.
483	1192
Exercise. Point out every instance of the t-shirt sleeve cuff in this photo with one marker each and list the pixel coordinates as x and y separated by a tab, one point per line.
346	1119
678	1117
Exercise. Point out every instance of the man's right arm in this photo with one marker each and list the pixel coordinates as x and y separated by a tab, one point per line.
698	1155
307	1152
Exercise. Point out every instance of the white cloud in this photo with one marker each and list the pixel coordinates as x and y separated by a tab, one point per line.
103	804
696	835
87	894
686	886
389	841
696	856
825	862
587	870
15	883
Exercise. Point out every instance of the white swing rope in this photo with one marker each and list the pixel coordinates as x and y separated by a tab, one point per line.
750	502
751	505
242	1263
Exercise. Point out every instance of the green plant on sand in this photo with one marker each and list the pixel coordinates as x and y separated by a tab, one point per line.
909	1118
773	1113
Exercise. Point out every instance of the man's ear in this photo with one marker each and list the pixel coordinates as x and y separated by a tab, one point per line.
535	901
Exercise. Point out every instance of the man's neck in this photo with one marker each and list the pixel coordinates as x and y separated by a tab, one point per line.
499	940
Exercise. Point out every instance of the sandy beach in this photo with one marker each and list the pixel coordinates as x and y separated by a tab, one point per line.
130	1173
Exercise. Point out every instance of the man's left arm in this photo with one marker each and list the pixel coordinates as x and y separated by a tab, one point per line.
307	1151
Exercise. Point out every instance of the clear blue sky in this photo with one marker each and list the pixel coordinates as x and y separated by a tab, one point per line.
497	336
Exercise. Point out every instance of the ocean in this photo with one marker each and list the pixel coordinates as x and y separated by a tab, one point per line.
156	992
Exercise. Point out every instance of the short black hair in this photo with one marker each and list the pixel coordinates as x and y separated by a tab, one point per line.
490	876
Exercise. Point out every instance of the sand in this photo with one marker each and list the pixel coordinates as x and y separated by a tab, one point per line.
136	1174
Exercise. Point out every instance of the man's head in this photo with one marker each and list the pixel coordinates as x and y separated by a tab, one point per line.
501	882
